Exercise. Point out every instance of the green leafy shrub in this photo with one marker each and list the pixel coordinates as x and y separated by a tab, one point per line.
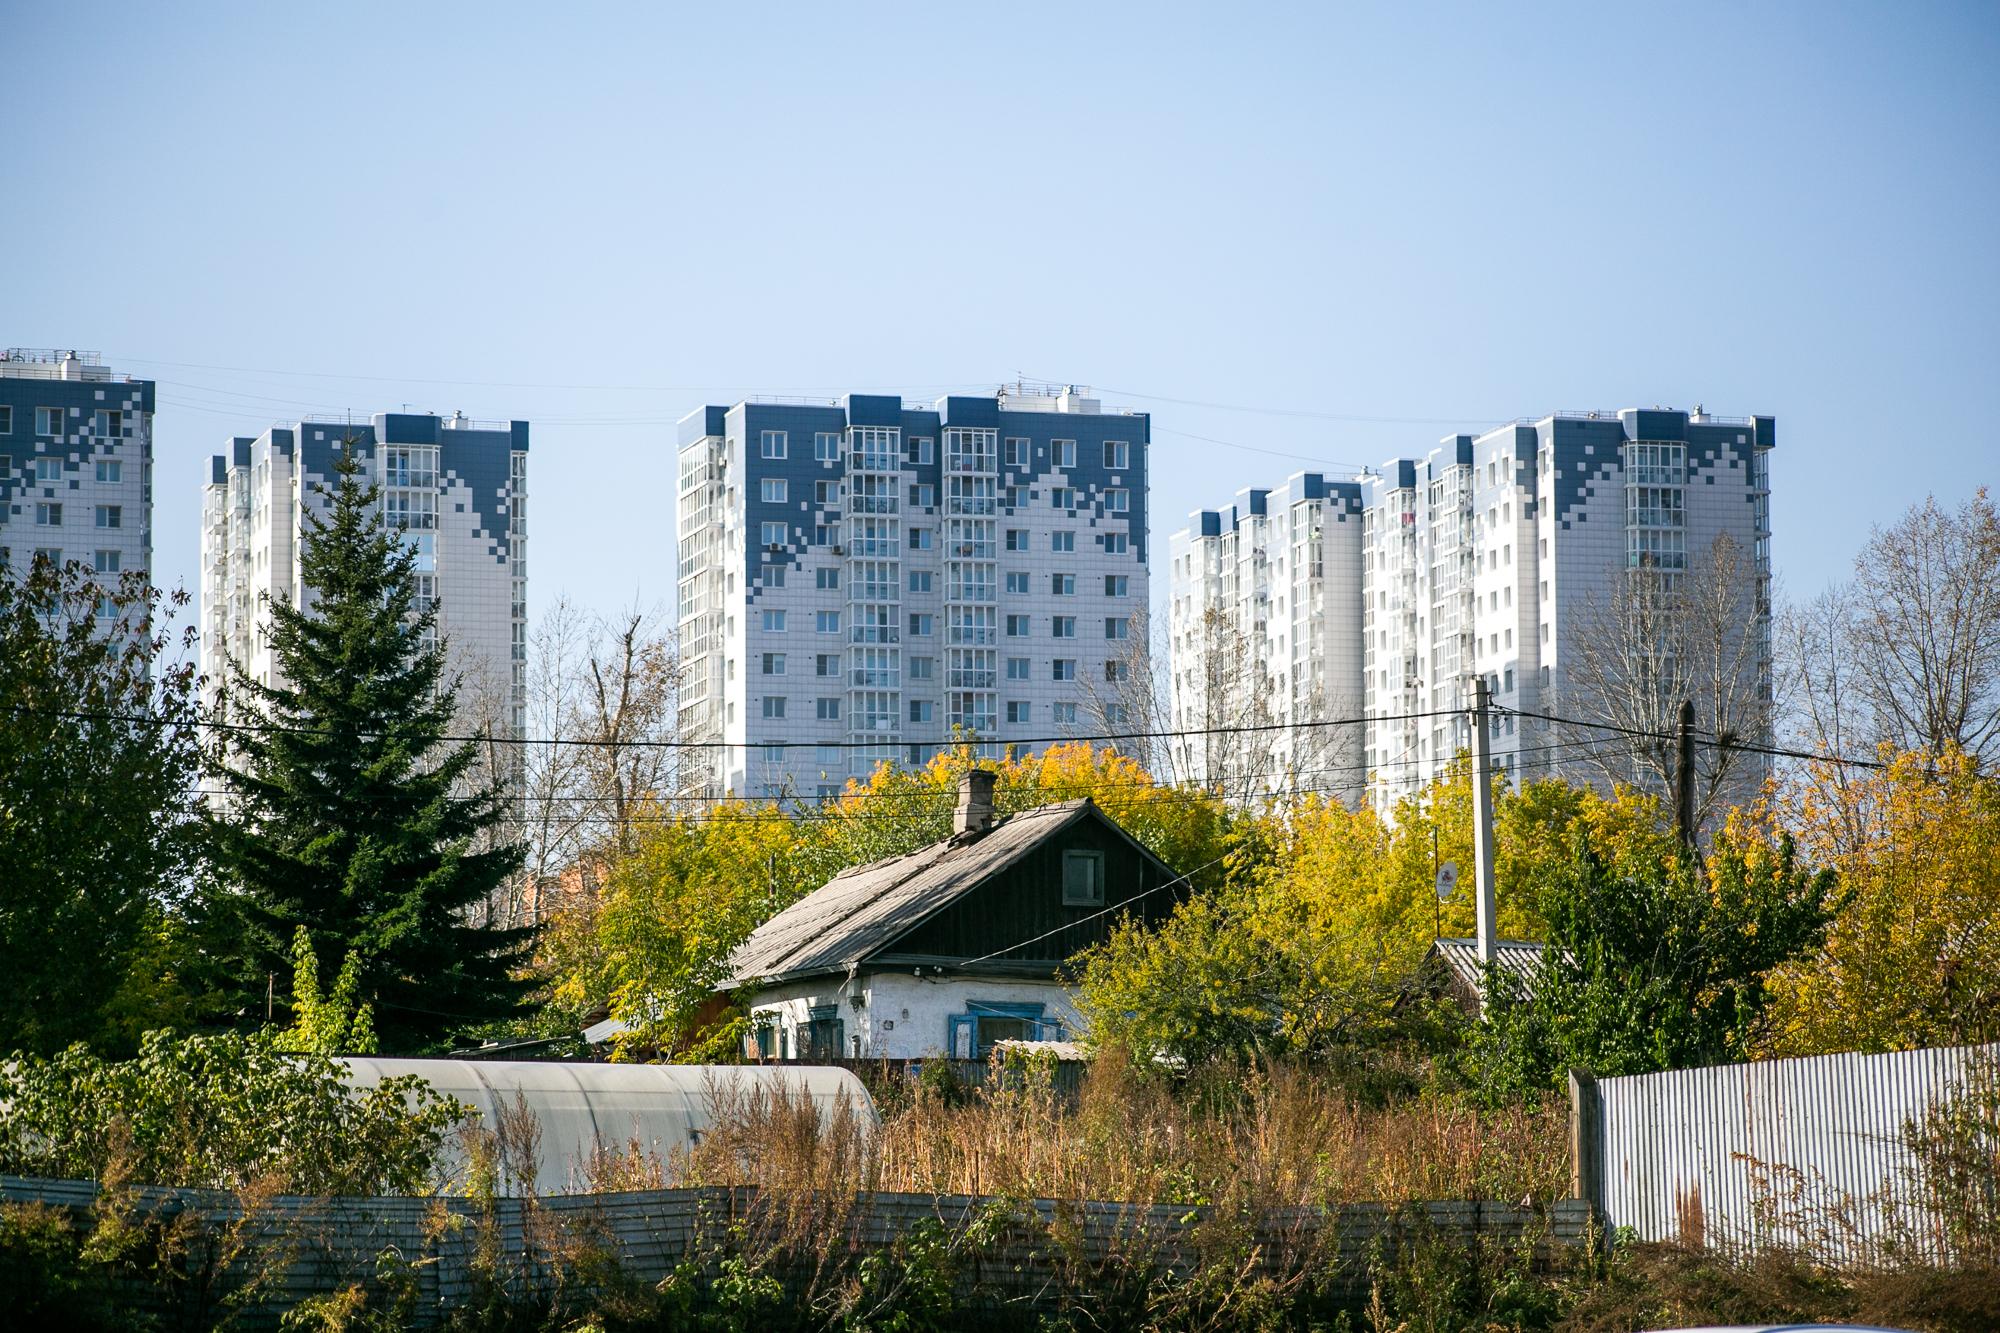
223	1112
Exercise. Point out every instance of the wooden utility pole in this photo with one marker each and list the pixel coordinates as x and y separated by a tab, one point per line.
1684	776
1482	815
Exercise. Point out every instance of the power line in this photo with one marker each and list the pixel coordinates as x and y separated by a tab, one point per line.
1706	738
899	742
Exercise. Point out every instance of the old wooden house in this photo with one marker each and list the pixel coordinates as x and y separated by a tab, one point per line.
953	947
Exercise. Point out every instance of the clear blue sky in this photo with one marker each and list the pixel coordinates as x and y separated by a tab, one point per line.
1409	219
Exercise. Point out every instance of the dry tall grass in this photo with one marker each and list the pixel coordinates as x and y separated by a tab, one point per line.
1258	1137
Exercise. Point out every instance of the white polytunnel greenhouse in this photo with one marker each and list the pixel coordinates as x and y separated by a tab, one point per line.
580	1108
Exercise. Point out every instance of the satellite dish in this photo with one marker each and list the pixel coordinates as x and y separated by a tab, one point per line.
1447	880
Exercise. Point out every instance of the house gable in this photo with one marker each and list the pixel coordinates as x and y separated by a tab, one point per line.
1025	901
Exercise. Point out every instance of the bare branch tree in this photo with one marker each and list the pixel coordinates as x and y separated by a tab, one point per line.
1660	637
1926	629
598	747
1224	729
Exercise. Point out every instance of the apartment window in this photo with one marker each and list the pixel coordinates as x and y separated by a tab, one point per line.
920	580
921	623
774	534
1017	451
1017	582
771	444
923	494
1115	671
1013	497
1117	543
1063	627
106	562
48	421
49	555
1017	627
774	664
826	492
1063	714
48	470
110	470
1017	711
826	534
6	419
826	446
826	622
826	664
1062	585
921	710
772	490
1117	627
827	710
923	668
1118	500
1064	452
773	576
774	706
108	422
1017	668
774	622
1017	539
1117	585
923	451
827	578
49	515
1117	455
1063	668
1062	497
920	539
1083	879
1064	541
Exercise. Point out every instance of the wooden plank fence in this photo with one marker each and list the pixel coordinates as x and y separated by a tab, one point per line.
309	1246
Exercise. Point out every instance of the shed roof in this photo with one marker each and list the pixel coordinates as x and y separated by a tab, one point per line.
1461	959
864	908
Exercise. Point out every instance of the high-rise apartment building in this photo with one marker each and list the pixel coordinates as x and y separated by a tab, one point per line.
76	463
1510	556
458	490
1266	595
862	579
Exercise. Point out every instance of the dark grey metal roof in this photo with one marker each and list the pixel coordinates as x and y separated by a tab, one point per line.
866	907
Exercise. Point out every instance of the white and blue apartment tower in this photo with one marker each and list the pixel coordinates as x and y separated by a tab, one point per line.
1491	556
76	463
456	488
863	579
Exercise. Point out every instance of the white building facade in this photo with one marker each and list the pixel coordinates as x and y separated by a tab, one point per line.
1265	598
456	488
862	579
76	464
1491	556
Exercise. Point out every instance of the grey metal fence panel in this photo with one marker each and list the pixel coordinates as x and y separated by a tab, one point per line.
1804	1151
327	1243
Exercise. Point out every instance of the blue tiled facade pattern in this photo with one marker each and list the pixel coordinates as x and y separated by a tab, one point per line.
1480	558
1489	555
76	463
873	576
456	488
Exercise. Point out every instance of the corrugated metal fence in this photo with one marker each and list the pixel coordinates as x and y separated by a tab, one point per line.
311	1246
1797	1152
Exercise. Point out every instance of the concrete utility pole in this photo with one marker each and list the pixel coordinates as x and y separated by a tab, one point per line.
1684	775
1482	815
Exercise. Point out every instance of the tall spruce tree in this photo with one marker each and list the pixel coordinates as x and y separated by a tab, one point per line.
356	816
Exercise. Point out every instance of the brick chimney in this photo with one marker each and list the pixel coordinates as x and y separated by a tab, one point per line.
975	802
